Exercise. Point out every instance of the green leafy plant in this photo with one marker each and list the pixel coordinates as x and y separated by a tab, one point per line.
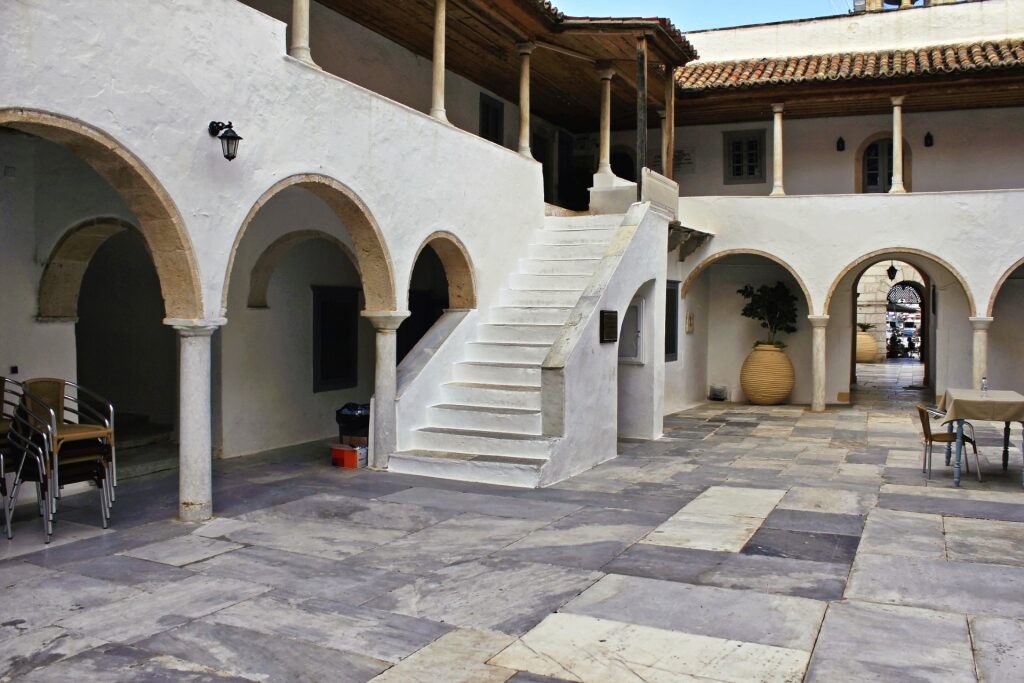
866	327
774	307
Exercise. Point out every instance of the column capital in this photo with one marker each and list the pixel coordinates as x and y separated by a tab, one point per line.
605	71
526	48
778	107
662	114
897	100
385	321
980	323
818	320
187	327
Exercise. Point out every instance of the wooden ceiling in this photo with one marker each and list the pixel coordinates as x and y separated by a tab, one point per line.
565	86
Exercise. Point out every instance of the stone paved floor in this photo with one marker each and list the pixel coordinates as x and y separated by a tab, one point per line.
751	544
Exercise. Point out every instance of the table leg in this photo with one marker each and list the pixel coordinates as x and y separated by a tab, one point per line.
959	451
949	444
1006	447
1022	451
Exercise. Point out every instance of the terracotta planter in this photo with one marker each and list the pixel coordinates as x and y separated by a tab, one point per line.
867	347
767	375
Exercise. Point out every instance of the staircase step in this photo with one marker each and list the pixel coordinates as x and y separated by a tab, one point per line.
546	315
559	266
487	469
588	236
582	222
530	281
486	418
483	442
494	395
567	251
501	352
540	297
518	333
490	372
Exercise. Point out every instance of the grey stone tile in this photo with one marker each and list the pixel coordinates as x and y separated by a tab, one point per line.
459	656
492	594
461	539
892	532
131	571
124	664
747	616
309	537
136	618
494	506
977	509
803	545
338	509
998	654
964	587
349	628
42	647
526	677
820	522
984	540
181	550
108	544
800	578
865	642
257	656
302	575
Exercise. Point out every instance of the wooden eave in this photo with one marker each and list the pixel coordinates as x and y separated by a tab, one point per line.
817	99
565	86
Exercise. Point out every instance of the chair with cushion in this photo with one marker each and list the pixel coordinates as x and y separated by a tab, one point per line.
931	438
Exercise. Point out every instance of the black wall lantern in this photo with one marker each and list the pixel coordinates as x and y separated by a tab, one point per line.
840	145
929	141
891	271
229	139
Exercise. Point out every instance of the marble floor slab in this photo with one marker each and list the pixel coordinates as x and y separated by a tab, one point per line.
481	504
125	664
131	571
911	534
866	642
29	537
182	550
459	656
337	509
985	540
34	649
819	522
746	616
832	500
491	594
580	648
803	545
307	537
999	654
728	534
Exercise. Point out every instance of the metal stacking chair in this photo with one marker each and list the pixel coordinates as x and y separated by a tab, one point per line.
10	397
930	439
77	414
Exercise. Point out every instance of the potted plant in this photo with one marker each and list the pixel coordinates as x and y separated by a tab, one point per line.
867	347
767	374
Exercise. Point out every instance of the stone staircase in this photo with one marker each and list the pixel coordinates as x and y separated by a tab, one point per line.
486	425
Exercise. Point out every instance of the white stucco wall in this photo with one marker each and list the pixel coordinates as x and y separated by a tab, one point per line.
916	27
686	379
1006	338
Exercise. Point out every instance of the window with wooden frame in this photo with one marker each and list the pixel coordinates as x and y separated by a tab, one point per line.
744	160
335	338
672	320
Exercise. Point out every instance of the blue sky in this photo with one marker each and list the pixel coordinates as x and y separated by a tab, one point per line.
693	15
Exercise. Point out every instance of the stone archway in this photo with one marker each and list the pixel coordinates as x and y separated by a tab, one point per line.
372	258
458	268
263	271
714	258
160	221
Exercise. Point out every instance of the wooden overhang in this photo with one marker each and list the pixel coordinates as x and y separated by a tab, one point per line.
978	75
565	85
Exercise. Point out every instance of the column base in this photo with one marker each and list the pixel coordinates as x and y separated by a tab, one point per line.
439	114
194	512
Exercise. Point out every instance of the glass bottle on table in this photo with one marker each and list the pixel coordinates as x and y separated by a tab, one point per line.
984	387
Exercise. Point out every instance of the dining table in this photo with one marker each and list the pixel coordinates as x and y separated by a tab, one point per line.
991	405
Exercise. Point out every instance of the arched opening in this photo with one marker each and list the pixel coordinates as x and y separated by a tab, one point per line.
1006	334
874	164
622	164
304	268
636	362
940	329
717	338
442	278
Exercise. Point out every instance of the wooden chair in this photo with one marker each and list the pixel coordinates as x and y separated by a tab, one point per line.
930	439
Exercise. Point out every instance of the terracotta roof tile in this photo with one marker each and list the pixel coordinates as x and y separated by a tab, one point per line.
961	57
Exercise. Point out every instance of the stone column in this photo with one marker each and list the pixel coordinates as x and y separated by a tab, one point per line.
525	49
384	441
195	485
300	32
437	99
778	188
819	370
980	349
897	145
604	165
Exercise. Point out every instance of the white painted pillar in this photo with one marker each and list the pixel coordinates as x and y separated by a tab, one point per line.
604	166
979	353
897	145
384	441
437	100
525	49
778	188
819	368
300	32
195	484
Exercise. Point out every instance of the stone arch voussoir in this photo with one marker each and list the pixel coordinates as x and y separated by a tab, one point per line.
714	258
458	268
266	264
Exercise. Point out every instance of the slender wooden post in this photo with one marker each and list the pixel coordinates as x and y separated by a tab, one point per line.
641	113
669	160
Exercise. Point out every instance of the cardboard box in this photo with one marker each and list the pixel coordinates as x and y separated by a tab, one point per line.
345	456
355	440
